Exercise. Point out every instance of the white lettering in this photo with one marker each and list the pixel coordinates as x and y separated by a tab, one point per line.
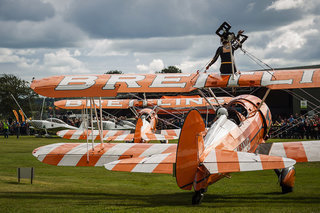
159	103
196	100
130	80
307	76
178	102
266	80
96	102
114	103
76	82
73	103
131	102
161	79
201	81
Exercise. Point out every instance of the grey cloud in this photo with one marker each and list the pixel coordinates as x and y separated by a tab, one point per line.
144	18
20	10
53	33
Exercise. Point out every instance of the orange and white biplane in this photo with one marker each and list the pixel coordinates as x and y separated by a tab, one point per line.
146	128
145	131
234	143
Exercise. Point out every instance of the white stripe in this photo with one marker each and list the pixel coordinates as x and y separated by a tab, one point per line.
288	162
149	164
93	133
62	133
73	156
121	137
114	152
312	149
210	162
155	149
77	134
249	162
109	166
42	152
277	149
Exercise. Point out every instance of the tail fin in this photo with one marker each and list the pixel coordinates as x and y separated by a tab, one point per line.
189	146
137	132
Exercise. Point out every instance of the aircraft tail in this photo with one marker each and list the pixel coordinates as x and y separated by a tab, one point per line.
190	146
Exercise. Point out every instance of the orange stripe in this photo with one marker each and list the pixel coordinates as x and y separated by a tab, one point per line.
295	150
118	133
95	155
172	148
68	134
270	164
135	151
55	156
171	132
83	135
166	168
227	161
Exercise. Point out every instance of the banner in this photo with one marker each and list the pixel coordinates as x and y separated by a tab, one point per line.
21	113
16	114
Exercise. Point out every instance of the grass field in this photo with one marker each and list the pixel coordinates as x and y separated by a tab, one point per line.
80	189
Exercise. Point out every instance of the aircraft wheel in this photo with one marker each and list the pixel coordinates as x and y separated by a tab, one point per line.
287	179
286	189
197	197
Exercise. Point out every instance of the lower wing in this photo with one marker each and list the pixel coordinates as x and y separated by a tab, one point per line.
217	161
303	151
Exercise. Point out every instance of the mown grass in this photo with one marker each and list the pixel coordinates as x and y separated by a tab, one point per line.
87	189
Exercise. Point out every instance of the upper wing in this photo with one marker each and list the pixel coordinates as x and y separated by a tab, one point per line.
304	151
105	104
175	103
110	85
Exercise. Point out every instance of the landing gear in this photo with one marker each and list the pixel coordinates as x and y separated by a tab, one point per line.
286	178
198	196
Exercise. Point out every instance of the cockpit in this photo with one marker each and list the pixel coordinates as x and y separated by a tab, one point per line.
237	112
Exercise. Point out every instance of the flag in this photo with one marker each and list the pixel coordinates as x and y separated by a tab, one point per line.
16	114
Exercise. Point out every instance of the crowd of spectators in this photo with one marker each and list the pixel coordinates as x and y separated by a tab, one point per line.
296	127
14	128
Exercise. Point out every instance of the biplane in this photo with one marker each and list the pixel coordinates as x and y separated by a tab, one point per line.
146	118
145	131
234	143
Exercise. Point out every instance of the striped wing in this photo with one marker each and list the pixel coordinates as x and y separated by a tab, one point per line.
82	154
225	161
304	151
108	135
160	163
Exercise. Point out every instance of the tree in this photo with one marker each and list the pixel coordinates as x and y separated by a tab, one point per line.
114	72
171	69
20	89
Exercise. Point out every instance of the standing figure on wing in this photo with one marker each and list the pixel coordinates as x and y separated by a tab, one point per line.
230	43
226	55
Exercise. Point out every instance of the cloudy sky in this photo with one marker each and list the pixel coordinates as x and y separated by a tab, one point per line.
41	38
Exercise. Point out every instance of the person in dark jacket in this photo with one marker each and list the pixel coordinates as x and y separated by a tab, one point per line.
225	52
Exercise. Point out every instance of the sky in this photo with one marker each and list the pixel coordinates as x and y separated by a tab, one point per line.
42	38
